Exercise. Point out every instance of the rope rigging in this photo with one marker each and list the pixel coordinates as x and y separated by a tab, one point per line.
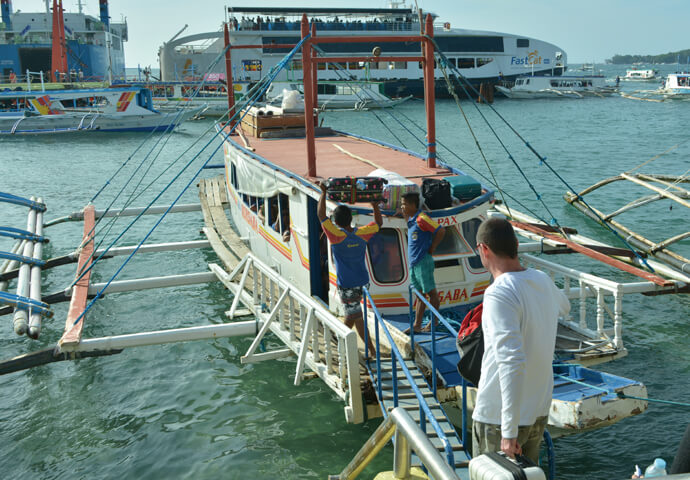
542	159
239	114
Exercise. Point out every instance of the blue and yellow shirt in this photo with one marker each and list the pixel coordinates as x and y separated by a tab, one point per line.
420	233
349	249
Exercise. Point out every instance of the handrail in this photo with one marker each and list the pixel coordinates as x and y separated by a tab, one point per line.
408	436
432	309
396	356
302	324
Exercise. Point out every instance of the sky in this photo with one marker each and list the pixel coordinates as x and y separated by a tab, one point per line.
587	30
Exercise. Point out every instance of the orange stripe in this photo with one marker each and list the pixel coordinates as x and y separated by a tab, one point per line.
277	245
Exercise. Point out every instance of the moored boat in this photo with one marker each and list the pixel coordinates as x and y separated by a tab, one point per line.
104	109
558	87
641	75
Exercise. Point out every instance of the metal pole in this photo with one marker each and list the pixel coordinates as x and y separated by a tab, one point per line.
43	85
228	77
429	94
35	286
402	455
28	80
309	87
21	317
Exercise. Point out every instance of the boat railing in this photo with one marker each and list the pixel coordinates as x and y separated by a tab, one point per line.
321	341
408	437
586	287
329	25
396	357
416	295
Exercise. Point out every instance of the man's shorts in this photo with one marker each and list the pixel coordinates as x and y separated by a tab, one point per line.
422	274
351	298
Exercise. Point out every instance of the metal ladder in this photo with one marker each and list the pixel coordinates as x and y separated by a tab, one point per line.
407	399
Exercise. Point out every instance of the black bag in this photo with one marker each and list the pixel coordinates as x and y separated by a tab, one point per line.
436	193
471	350
470	343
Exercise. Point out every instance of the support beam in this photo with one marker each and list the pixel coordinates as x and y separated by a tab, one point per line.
80	291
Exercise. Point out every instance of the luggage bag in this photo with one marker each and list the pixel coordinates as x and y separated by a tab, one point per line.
436	193
497	466
464	187
355	189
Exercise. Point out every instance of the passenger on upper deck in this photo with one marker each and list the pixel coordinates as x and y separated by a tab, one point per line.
423	236
349	246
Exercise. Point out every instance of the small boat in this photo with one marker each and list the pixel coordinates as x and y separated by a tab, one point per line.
676	85
641	75
340	95
558	87
102	109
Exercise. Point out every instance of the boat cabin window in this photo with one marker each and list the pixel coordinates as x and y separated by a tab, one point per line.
278	215
385	256
337	66
465	62
326	88
356	65
296	65
523	42
451	244
233	176
484	61
469	231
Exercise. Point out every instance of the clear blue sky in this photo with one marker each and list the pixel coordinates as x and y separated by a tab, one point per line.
588	30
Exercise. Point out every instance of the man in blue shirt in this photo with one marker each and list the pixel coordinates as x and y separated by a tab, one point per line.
423	236
349	246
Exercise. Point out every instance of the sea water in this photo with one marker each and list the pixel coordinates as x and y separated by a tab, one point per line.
193	410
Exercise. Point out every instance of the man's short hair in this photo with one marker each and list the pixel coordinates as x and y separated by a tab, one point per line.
342	215
498	234
411	197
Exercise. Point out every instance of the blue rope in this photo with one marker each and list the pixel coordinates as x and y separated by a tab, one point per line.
16	200
99	294
541	158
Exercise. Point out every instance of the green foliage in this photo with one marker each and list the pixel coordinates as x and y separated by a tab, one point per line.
671	57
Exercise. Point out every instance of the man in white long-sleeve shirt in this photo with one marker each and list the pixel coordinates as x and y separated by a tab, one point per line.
521	309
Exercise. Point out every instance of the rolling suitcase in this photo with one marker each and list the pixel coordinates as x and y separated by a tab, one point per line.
355	189
497	466
464	187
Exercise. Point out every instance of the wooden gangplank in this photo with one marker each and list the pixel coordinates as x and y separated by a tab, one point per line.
80	290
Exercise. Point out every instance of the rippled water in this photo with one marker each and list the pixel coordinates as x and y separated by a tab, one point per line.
193	410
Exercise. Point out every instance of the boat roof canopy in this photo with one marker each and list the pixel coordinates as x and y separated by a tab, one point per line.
320	11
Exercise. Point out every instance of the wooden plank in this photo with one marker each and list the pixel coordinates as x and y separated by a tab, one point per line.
596	255
77	304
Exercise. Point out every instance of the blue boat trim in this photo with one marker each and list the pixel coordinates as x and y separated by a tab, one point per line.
25	303
12	232
22	259
9	198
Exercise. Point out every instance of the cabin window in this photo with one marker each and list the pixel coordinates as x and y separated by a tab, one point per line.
451	244
386	257
326	89
278	215
297	65
484	61
452	63
233	176
356	65
337	66
469	231
523	43
465	62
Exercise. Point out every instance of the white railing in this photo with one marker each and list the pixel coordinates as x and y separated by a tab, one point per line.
307	328
585	286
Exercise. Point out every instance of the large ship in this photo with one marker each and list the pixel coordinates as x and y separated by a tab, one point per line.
93	46
482	56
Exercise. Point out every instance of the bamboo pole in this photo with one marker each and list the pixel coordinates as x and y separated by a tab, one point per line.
35	284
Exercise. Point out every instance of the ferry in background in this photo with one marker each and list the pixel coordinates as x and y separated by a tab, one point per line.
641	75
481	56
93	46
676	85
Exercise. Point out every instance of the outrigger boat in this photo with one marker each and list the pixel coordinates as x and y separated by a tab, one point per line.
284	277
662	188
558	87
676	86
641	75
100	109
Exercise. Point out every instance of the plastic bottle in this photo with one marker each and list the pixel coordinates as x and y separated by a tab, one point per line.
656	469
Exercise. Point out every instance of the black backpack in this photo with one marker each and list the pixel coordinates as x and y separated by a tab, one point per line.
436	193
